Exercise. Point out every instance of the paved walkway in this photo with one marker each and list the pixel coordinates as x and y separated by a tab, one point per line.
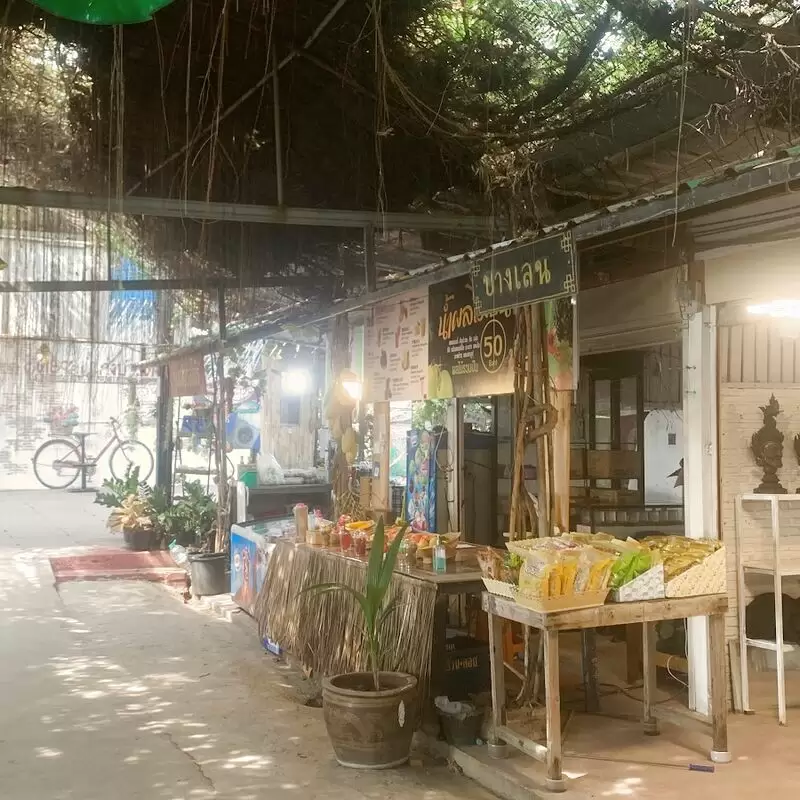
118	690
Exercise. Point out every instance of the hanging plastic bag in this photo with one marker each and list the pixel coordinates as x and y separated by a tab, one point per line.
269	470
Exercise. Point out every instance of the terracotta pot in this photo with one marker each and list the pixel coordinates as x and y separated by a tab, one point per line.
137	539
369	729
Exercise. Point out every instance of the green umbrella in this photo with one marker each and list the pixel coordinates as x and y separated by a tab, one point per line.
103	12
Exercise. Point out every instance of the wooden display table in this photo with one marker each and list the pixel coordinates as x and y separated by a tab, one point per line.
645	614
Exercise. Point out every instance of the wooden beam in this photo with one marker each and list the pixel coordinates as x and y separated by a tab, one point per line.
243	212
157	284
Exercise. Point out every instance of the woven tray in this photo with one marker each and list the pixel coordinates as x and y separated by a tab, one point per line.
499	587
569	603
707	577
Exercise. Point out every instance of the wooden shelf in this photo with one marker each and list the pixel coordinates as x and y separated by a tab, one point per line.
767	644
786	570
768	498
775	569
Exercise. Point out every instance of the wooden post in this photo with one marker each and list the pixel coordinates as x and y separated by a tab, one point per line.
562	436
649	669
555	780
540	388
719	690
381	444
496	745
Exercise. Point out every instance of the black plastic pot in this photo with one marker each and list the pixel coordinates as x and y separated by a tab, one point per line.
209	574
137	539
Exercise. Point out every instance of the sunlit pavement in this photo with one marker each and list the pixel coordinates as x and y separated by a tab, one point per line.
118	690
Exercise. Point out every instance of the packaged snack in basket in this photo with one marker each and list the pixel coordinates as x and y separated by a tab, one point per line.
491	563
631	564
537	575
594	571
499	565
680	553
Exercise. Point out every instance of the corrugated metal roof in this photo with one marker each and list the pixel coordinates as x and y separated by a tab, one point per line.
738	181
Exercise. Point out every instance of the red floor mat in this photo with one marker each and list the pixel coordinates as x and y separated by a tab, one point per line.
128	565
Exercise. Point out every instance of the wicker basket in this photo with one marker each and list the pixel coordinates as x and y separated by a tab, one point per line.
500	588
518	548
707	577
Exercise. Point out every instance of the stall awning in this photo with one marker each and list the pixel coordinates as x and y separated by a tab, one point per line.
633	314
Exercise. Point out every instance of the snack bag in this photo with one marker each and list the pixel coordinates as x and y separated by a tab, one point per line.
491	563
594	570
539	573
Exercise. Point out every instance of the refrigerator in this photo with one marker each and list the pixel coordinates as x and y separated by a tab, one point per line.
251	545
426	491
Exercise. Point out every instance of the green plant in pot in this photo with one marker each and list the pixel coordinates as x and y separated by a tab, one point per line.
133	519
115	491
196	521
370	716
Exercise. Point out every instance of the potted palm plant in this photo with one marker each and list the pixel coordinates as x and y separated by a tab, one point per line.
370	716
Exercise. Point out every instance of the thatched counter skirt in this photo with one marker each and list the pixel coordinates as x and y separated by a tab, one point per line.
323	632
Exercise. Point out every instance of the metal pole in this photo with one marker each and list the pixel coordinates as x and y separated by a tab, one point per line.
164	406
276	113
369	258
222	459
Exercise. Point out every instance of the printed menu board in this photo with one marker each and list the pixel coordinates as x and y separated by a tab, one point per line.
469	354
396	349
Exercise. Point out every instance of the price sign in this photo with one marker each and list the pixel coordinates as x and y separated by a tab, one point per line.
494	346
469	354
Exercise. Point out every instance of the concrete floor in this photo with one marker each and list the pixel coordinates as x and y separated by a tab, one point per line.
119	690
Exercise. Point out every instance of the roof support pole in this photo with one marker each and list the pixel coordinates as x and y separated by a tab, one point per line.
700	472
223	509
276	114
165	402
369	258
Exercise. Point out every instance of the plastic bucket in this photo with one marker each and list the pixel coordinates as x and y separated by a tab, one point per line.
461	730
209	574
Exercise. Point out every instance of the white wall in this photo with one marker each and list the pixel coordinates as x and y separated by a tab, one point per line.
662	458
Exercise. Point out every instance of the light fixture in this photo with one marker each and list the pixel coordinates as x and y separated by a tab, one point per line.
776	309
295	381
351	383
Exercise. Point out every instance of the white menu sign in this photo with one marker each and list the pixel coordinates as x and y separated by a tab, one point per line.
396	349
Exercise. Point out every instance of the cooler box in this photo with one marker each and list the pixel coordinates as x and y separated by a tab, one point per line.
251	545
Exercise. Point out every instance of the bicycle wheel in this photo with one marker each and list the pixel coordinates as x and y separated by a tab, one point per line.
55	464
131	453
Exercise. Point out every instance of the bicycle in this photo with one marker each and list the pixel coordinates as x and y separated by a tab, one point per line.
67	460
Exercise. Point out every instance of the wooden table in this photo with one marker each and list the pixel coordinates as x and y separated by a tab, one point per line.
644	614
288	617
